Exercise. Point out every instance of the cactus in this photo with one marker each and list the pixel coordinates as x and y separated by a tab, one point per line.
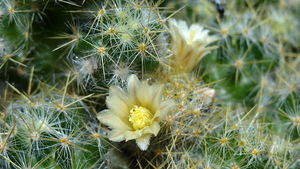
149	84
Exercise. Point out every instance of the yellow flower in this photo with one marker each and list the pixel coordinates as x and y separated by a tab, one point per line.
189	45
135	114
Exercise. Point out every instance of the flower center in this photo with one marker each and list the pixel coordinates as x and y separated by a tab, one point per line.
140	117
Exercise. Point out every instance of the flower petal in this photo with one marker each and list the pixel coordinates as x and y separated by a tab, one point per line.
113	121
155	95
118	92
118	107
153	129
142	94
163	109
131	135
132	88
143	142
116	135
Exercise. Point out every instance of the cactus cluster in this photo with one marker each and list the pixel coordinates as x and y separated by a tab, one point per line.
149	84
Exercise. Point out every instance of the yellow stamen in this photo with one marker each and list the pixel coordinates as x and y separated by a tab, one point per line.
140	117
